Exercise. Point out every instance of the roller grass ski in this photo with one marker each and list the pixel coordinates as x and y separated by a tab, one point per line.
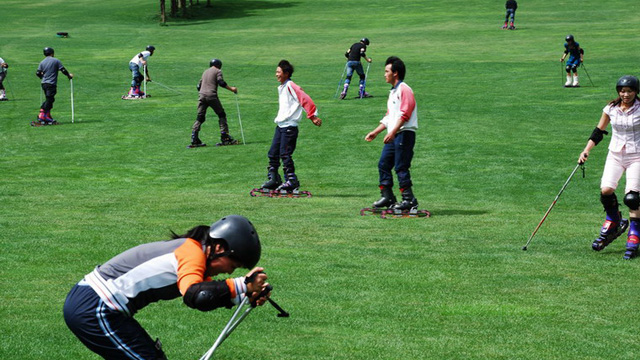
38	123
135	94
296	193
274	187
394	213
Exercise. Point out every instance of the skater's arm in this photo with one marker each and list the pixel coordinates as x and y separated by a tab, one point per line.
316	120
391	134
373	134
596	136
66	73
305	101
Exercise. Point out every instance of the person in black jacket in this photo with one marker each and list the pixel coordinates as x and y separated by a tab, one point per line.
353	55
511	7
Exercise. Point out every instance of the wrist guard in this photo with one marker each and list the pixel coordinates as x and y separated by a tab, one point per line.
597	135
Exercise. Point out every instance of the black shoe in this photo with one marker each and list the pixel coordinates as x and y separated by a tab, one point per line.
273	180
387	198
609	232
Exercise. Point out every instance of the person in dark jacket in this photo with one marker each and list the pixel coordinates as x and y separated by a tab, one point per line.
511	7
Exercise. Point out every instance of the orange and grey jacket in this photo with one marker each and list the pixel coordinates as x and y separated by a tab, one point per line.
162	270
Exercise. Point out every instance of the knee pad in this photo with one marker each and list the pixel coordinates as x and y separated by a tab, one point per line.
348	79
574	68
632	200
362	77
609	201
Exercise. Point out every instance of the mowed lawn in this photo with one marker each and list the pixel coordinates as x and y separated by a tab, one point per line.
498	137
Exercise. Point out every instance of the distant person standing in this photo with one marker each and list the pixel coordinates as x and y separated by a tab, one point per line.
576	57
356	52
48	72
511	6
3	74
136	65
208	98
401	123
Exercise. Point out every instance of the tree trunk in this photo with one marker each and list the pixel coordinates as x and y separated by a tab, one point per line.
183	3
174	7
163	13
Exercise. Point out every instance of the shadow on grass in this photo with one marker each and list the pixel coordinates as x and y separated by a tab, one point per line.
450	212
199	14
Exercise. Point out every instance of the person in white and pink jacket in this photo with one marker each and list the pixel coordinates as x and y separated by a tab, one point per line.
292	100
401	123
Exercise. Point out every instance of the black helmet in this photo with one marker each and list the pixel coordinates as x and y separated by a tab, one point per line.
628	81
47	51
569	38
215	62
243	243
365	41
151	48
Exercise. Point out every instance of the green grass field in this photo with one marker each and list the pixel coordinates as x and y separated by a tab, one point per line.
498	137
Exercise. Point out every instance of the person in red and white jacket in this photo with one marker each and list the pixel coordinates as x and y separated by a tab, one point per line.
292	100
401	122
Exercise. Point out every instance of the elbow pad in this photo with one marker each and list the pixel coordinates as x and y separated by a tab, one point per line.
64	71
222	83
597	135
39	74
208	295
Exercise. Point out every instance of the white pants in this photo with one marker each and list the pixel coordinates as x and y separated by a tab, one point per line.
617	163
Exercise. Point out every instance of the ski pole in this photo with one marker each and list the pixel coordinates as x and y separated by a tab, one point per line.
553	204
586	72
72	107
240	119
340	81
166	87
145	79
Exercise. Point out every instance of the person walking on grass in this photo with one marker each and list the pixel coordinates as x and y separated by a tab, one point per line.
623	114
401	123
3	73
137	64
576	57
511	6
208	97
48	72
292	101
100	308
356	52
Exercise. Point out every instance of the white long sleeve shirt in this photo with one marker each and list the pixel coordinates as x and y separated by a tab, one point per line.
625	126
401	106
292	100
136	59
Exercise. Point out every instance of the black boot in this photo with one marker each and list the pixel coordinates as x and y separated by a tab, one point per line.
291	182
387	199
273	179
195	140
408	200
226	139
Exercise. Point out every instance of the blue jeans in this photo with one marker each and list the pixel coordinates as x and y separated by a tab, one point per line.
510	13
398	154
351	66
136	77
282	147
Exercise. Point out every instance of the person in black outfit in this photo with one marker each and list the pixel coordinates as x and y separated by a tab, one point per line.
511	7
353	55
